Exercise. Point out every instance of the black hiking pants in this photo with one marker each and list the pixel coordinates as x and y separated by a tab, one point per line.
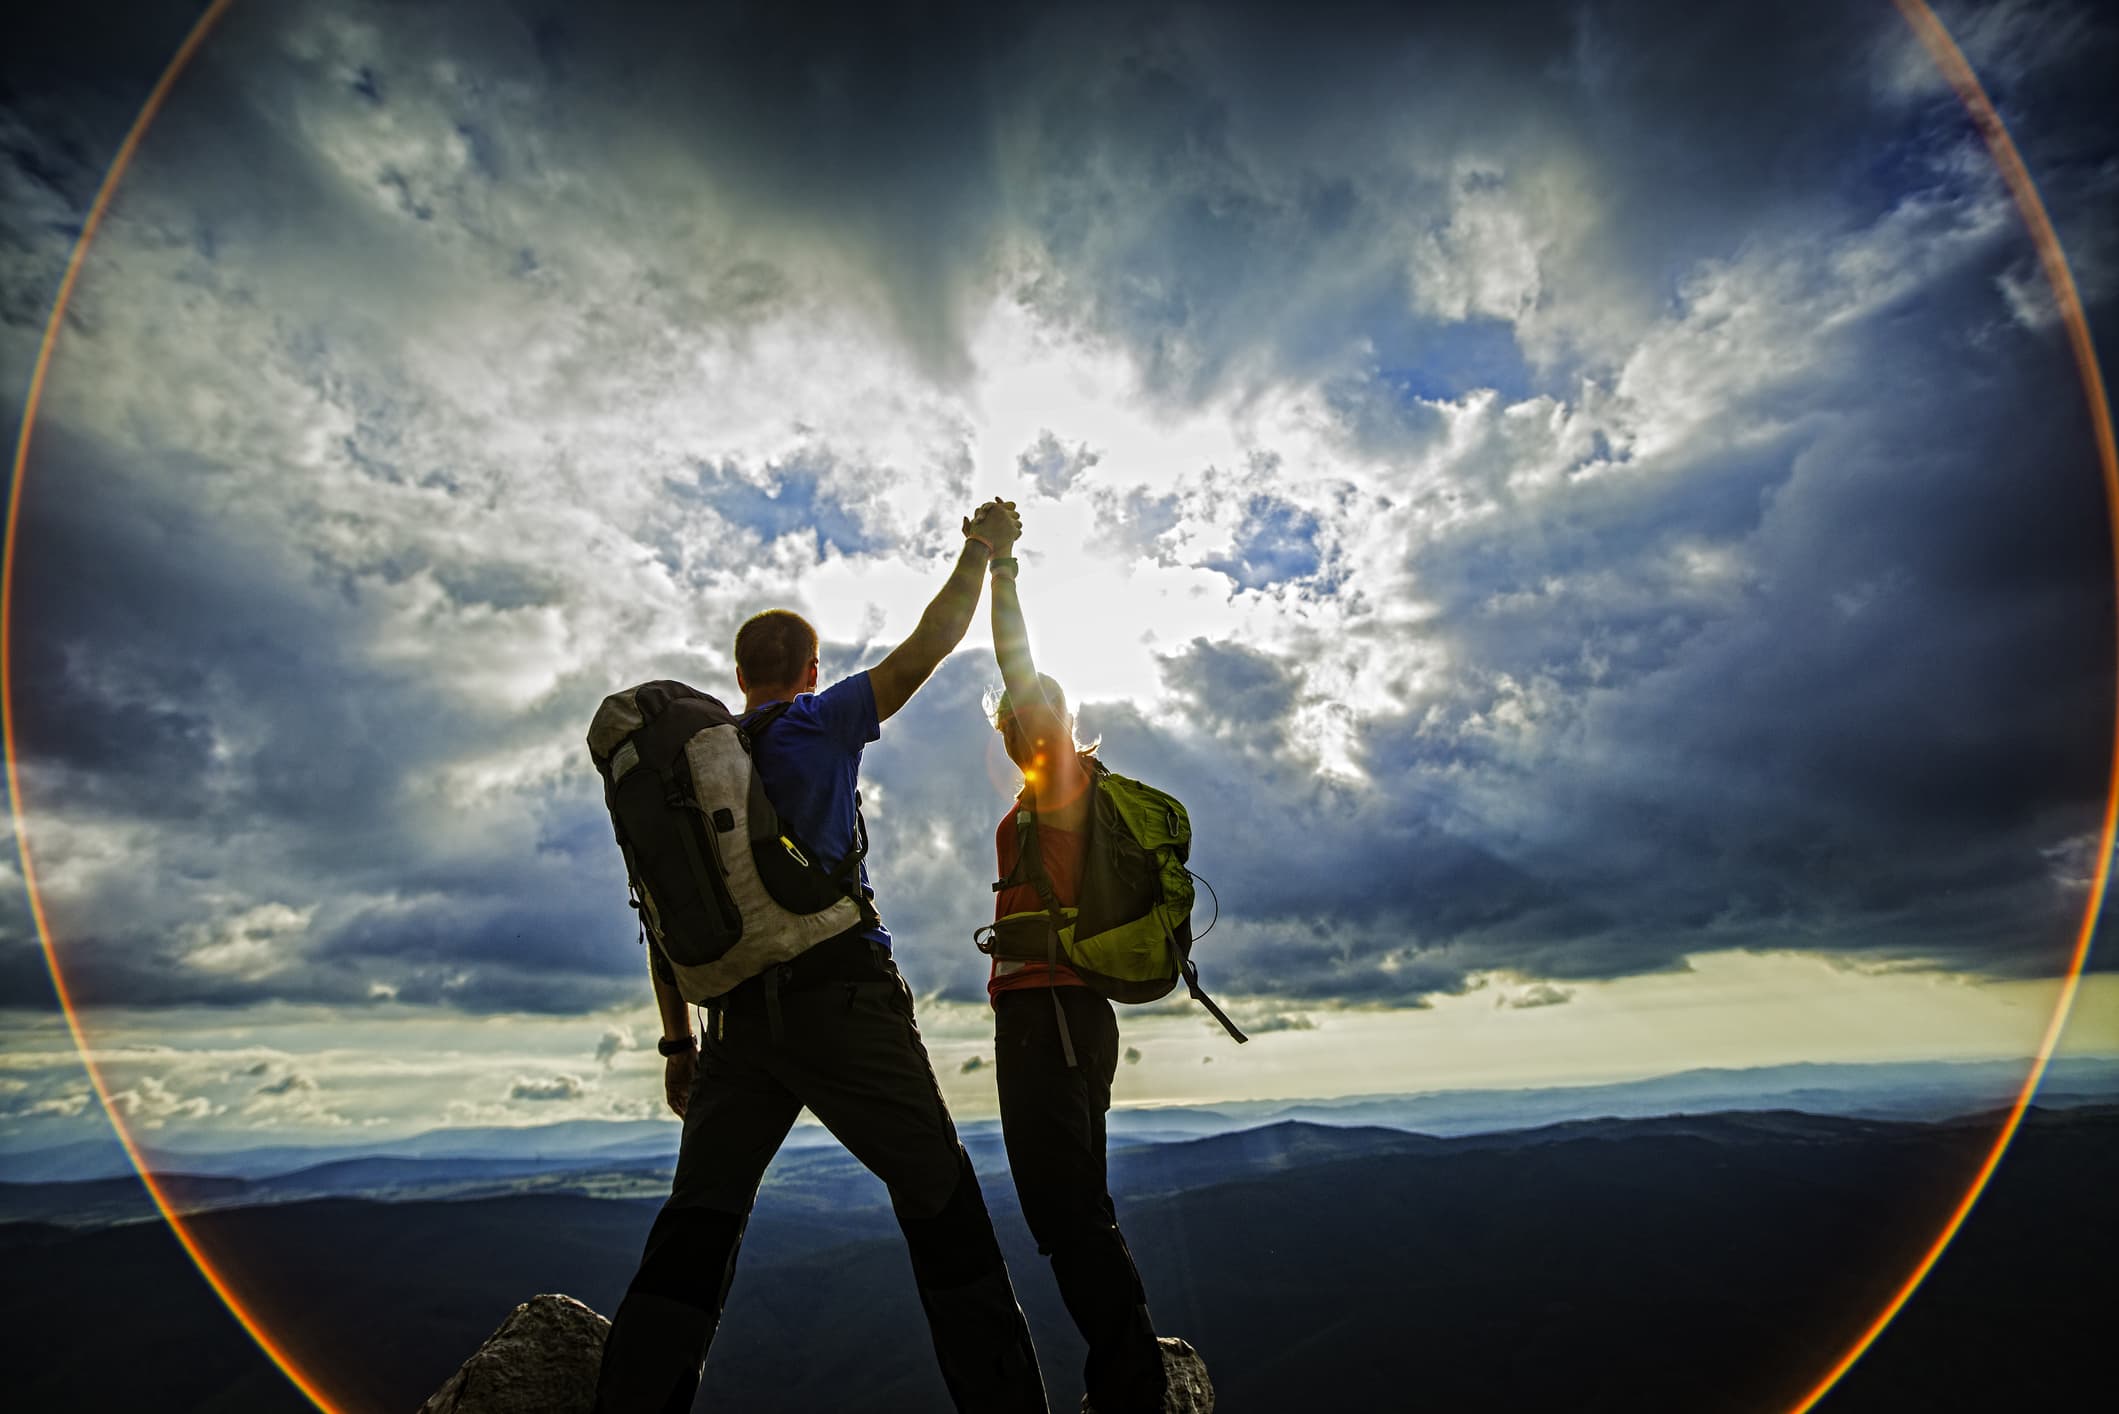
1052	1117
848	1049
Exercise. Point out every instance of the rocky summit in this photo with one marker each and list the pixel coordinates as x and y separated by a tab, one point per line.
544	1357
1189	1390
542	1360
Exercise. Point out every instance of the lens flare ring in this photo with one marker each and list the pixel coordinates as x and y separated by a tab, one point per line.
252	1325
1949	60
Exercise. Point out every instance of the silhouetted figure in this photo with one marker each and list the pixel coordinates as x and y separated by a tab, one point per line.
1056	1042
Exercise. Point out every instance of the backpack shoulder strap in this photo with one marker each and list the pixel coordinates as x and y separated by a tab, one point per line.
847	876
1030	848
753	724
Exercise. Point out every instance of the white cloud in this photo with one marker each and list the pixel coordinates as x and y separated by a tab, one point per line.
549	1087
69	1106
152	1104
1537	994
251	944
1485	259
614	1041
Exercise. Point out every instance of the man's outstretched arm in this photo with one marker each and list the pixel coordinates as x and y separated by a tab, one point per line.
943	623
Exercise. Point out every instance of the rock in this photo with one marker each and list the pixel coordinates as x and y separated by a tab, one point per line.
542	1360
1190	1391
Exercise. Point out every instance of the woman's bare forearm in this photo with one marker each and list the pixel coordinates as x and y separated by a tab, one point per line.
1011	642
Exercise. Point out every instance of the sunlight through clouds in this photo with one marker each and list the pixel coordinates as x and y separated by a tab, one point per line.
1547	525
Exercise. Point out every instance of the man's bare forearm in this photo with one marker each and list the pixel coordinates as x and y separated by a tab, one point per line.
991	530
948	615
676	1012
941	629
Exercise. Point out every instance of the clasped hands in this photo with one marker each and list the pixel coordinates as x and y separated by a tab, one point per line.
996	524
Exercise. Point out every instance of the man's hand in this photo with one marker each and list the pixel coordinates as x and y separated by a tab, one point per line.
677	1074
997	524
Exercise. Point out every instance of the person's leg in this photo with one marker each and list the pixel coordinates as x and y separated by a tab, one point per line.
734	1122
1052	1119
866	1077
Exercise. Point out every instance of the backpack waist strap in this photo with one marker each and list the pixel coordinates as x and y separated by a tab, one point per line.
844	957
1024	937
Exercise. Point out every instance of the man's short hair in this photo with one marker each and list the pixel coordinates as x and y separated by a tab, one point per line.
774	647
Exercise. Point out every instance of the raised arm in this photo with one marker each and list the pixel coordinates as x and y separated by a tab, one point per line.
894	680
1011	646
1055	771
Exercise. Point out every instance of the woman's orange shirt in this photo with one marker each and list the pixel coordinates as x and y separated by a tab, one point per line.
1062	851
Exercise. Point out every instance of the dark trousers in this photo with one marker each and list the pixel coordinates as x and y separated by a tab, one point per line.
851	1052
1052	1117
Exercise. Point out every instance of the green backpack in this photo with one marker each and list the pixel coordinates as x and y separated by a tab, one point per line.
1130	936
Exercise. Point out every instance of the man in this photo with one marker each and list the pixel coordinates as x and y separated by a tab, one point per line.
832	1030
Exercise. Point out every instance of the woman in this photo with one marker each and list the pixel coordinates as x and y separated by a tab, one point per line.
1055	1041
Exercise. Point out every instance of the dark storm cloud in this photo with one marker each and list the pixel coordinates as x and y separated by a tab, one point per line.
25	978
1238	693
1234	186
181	645
1909	712
72	78
1878	733
868	122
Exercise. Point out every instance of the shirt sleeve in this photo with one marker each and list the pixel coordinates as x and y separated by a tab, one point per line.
847	712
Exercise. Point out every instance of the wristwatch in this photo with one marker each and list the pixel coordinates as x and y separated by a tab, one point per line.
668	1047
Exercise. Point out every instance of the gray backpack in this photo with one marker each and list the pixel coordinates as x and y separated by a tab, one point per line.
724	889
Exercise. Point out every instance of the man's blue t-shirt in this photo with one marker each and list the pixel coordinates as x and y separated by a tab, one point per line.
810	761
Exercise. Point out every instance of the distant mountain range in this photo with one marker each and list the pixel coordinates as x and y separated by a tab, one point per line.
1703	1263
1905	1090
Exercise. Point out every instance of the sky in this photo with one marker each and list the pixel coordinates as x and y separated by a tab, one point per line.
1588	504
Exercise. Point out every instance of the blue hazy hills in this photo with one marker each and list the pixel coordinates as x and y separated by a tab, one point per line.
1908	1090
1694	1258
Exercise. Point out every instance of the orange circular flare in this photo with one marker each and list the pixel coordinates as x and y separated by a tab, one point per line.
1948	59
248	1320
1951	61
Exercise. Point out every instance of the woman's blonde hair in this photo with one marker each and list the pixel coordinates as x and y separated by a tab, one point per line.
999	709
